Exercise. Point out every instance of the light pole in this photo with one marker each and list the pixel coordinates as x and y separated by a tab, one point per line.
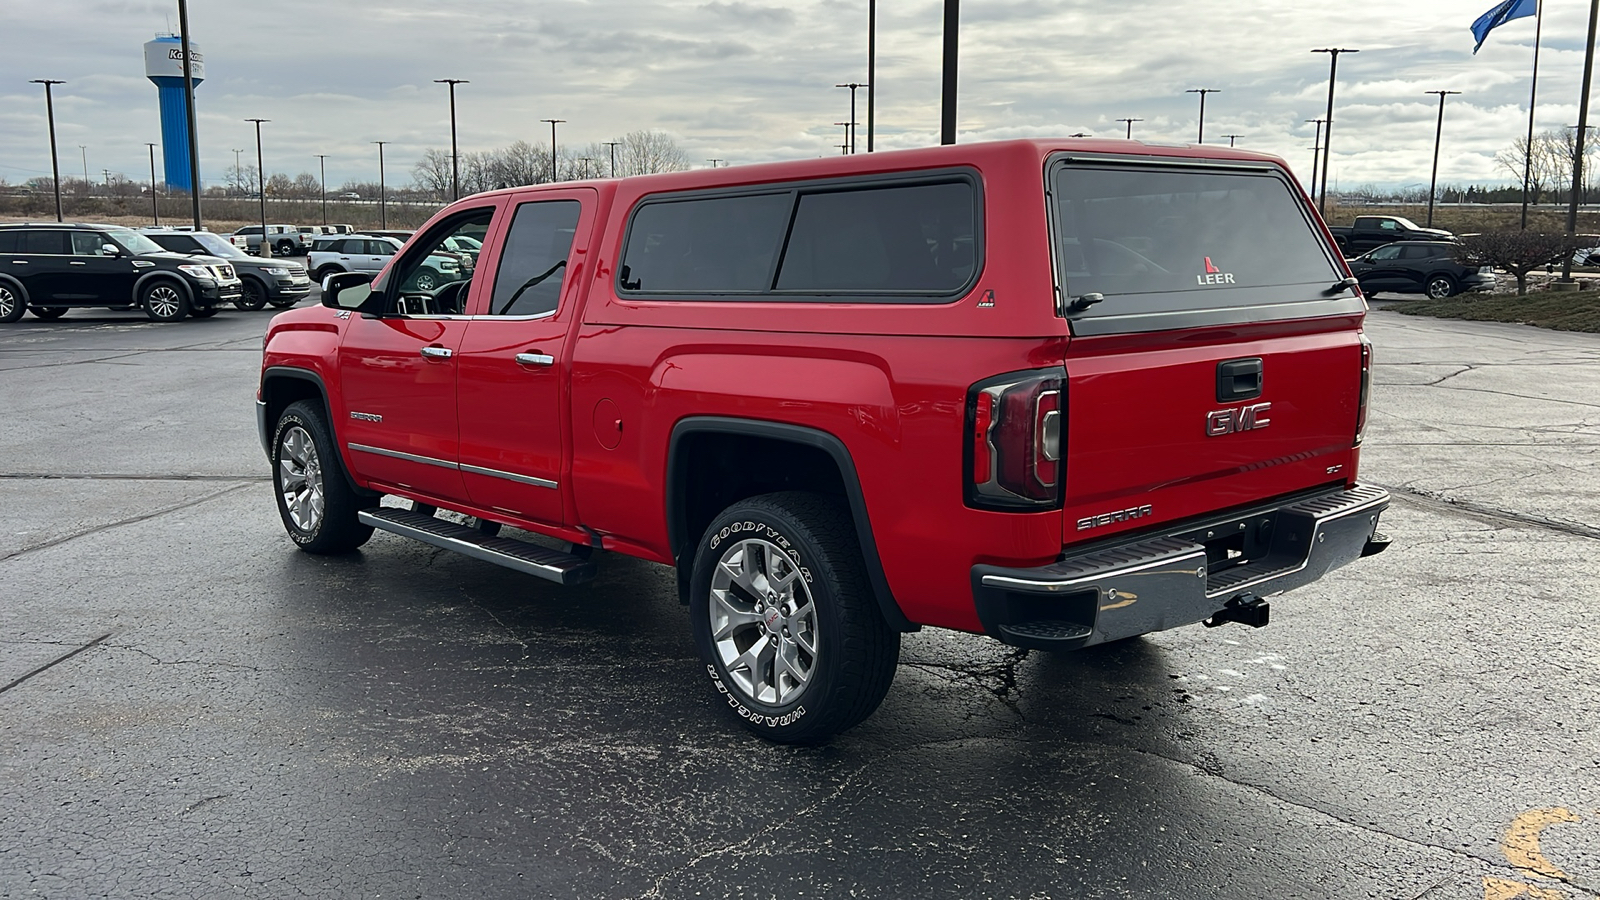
1130	126
1201	137
1232	137
1327	131
238	176
322	167
1080	134
613	146
947	93
553	124
1583	130
383	191
84	149
455	169
265	248
1438	135
188	103
846	136
852	86
872	63
155	210
586	161
1533	95
1316	156
50	116
714	162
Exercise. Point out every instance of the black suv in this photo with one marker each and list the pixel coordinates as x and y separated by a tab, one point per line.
1418	267
275	281
49	269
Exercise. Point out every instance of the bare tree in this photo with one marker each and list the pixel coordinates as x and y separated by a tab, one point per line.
432	173
1518	252
647	152
280	185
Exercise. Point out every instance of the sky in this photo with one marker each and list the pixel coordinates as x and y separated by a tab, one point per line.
753	80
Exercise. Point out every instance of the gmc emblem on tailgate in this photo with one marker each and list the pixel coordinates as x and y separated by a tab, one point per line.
1245	418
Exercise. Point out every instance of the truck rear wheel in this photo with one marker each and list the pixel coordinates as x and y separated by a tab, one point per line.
785	619
318	506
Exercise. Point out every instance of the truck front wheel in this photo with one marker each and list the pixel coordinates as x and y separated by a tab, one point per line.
785	619
318	506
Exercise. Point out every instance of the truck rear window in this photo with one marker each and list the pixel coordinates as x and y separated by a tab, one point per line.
915	242
1162	244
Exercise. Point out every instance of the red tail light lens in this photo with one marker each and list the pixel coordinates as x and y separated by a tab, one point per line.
1014	441
1366	389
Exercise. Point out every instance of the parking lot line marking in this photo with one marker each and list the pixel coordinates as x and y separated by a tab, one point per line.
54	662
1521	845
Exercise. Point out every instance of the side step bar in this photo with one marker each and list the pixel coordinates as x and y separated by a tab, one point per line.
530	559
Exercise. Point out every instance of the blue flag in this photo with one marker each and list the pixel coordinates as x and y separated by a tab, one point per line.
1501	14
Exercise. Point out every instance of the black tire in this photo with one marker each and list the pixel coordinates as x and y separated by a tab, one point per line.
322	273
284	248
805	549
252	295
48	313
426	279
164	301
318	506
204	312
1440	286
11	305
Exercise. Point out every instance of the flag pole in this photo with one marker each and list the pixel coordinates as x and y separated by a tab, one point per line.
1533	95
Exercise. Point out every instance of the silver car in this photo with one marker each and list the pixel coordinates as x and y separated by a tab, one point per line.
369	254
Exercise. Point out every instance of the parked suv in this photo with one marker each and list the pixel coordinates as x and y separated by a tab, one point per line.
369	254
49	269
1417	267
285	240
1056	392
262	281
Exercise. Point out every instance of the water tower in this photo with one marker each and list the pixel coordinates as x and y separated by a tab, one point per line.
163	64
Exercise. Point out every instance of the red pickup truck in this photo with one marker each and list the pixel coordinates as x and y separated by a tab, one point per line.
1056	392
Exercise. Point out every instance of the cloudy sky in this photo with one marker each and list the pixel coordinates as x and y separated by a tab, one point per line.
752	80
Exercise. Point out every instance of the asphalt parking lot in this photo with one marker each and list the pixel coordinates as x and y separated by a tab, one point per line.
191	708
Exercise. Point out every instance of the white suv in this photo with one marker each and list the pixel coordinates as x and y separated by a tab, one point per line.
369	254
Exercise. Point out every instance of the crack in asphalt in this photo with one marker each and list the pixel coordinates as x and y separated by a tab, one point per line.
134	520
998	678
183	662
1432	500
57	661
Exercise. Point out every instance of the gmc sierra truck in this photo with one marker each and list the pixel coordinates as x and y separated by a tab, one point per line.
1055	392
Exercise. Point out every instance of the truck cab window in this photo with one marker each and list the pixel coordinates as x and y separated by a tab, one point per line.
533	263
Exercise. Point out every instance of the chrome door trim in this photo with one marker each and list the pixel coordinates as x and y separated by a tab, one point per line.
396	454
510	476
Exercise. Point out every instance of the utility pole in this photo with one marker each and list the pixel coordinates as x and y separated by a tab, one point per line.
1327	133
455	167
188	105
1316	156
265	248
322	166
1130	126
50	116
1201	137
553	123
852	86
383	191
947	94
613	146
1438	135
872	64
155	209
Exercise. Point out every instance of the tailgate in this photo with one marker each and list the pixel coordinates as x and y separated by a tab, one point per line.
1216	358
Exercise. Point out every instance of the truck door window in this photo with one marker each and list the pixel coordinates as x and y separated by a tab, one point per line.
534	260
431	279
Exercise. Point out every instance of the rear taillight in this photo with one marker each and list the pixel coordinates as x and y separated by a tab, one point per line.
1366	389
1014	456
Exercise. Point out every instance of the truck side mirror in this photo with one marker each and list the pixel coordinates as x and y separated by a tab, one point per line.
347	291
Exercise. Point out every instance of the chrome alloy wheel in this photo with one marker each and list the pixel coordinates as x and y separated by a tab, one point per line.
164	301
763	621
1440	287
8	302
300	478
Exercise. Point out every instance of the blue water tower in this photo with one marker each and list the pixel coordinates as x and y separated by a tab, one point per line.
163	64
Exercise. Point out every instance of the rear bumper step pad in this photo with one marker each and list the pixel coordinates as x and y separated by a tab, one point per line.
530	559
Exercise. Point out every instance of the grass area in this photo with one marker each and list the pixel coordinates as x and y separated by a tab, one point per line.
1577	311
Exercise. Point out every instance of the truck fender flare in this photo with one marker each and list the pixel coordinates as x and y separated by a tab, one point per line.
281	373
682	542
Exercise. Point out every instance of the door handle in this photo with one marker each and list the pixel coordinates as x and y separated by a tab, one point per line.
438	352
19	262
77	263
535	359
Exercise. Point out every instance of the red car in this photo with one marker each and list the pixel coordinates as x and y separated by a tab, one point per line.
1056	392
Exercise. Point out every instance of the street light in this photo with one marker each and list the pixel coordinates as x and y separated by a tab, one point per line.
947	92
1080	134
155	210
1232	137
1327	132
84	149
586	161
383	191
1130	126
322	164
846	137
872	64
714	162
1583	131
553	124
1316	155
50	115
455	169
238	176
1201	137
613	146
1438	135
264	248
852	86
188	103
